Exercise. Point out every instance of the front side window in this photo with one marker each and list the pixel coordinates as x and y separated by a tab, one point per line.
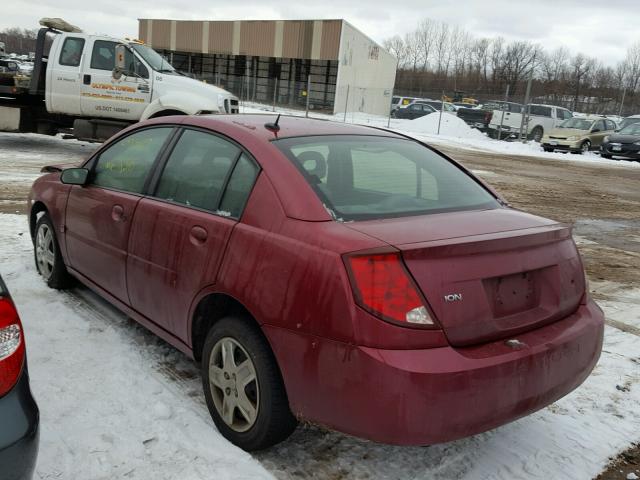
197	169
71	51
103	57
126	164
368	177
600	126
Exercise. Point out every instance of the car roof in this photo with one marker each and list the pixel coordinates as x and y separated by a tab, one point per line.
290	126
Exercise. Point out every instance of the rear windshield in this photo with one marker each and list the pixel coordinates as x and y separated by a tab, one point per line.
368	177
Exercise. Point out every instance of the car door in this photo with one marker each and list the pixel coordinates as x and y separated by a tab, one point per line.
98	215
180	233
598	132
415	111
104	96
64	76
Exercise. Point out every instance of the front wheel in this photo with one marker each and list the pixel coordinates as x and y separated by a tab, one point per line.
49	262
243	387
585	147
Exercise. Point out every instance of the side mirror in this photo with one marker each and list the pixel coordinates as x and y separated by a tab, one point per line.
74	176
120	66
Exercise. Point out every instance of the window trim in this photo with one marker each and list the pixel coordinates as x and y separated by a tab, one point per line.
62	51
154	181
91	163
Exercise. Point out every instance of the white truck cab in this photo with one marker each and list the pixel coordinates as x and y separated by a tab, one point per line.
80	81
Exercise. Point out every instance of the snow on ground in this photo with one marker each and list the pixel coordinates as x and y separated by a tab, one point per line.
117	402
453	131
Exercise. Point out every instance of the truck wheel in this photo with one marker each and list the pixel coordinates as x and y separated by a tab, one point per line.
546	149
536	134
49	262
243	386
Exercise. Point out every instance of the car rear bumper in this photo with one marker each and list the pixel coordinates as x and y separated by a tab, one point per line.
423	397
19	434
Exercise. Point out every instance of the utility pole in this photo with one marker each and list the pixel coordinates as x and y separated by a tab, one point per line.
524	126
441	110
506	99
624	91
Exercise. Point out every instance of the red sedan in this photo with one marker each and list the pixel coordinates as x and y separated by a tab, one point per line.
344	275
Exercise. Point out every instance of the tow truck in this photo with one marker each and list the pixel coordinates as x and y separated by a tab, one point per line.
92	86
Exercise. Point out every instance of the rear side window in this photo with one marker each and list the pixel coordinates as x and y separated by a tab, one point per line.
197	169
126	164
240	184
367	177
540	110
71	51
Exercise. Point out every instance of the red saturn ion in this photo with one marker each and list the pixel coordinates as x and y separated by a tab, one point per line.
344	275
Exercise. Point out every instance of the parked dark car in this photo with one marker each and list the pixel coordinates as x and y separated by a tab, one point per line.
479	118
624	143
19	416
348	276
414	110
629	121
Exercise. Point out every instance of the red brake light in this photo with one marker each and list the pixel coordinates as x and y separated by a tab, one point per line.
11	345
383	286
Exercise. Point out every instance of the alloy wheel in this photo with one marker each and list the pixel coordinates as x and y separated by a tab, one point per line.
45	253
234	384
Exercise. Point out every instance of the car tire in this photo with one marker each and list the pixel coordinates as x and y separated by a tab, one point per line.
546	149
47	256
536	134
256	414
585	146
606	155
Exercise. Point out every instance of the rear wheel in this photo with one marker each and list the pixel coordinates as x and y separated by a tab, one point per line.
536	134
49	262
243	386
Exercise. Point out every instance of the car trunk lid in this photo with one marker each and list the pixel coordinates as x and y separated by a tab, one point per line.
512	272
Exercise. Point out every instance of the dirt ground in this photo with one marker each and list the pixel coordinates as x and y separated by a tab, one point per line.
601	201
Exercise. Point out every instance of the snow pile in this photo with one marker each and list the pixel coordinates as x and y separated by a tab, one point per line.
450	126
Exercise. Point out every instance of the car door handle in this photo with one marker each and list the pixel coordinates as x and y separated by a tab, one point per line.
198	235
117	213
86	79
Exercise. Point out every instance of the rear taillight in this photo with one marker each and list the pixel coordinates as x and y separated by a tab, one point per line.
382	285
11	345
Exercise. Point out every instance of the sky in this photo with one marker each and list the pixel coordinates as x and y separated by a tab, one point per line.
597	28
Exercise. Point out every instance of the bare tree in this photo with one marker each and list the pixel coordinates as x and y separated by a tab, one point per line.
397	48
425	37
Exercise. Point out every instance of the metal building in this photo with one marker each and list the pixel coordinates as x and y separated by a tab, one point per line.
276	61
